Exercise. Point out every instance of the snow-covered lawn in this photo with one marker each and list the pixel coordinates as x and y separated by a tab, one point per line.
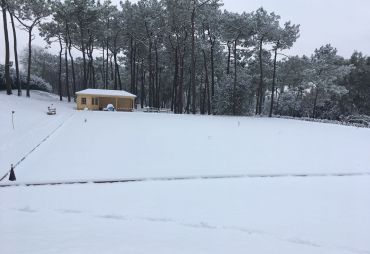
319	213
255	215
31	124
103	145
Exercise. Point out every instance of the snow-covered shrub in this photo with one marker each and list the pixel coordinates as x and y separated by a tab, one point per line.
289	103
225	99
36	83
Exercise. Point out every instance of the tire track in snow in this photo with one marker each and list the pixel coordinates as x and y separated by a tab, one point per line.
205	226
182	178
38	145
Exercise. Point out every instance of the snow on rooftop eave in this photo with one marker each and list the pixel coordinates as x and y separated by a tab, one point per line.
103	92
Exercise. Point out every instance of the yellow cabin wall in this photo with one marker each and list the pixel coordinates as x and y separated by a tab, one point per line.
125	104
88	104
121	104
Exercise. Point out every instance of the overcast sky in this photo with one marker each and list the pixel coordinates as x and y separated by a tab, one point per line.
343	23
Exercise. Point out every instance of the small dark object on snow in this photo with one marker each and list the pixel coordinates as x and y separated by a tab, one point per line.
13	118
85	120
51	110
12	175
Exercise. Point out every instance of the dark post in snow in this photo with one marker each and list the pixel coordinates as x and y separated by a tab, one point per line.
12	174
13	118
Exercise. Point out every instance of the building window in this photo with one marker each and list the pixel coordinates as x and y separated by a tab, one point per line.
95	101
83	101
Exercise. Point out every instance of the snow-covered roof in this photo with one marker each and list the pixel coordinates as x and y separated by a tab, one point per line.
103	92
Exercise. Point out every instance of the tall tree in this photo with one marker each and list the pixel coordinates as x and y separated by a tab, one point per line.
357	83
30	14
84	16
15	48
7	53
325	70
264	24
194	6
52	32
282	38
237	29
210	17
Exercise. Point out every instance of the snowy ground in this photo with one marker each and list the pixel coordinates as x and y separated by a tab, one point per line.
320	213
135	145
31	124
286	215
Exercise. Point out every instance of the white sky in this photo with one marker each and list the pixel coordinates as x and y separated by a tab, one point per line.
343	23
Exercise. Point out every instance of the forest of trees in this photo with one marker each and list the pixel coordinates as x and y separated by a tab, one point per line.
187	55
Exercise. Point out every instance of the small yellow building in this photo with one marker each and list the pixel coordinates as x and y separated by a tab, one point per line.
99	99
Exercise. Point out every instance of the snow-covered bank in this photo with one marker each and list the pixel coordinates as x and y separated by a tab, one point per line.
284	215
31	124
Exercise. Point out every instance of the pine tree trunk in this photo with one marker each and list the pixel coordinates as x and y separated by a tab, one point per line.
202	96
175	81
181	84
193	89
235	76
260	90
115	70
73	68
18	80
187	109
207	90
107	67
112	72
107	60
257	100
67	71
315	104
142	90
137	76
213	70
93	76
60	70
157	104
84	85
135	72
159	88
150	64
7	52
228	58
29	60
273	83
132	69
119	78
88	71
103	68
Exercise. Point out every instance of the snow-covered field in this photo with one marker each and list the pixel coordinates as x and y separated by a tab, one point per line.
287	215
102	145
31	124
327	211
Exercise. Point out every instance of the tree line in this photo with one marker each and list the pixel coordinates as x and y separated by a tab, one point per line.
187	55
